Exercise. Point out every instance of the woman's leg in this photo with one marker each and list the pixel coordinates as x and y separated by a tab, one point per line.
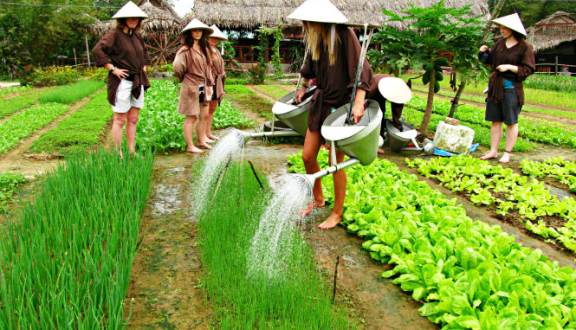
495	137
212	110
511	137
132	121
312	143
201	127
118	122
339	195
189	125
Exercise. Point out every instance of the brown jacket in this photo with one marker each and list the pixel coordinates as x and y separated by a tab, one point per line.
219	73
521	55
124	51
193	70
335	82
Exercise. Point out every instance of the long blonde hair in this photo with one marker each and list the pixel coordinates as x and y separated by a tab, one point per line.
321	37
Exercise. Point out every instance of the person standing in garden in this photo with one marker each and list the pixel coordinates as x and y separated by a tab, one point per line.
512	61
123	53
219	73
192	66
334	52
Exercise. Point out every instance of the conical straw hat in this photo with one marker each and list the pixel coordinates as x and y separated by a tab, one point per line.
395	90
130	10
322	11
195	24
217	34
512	22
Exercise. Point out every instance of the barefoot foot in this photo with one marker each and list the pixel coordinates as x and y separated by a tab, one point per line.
313	205
194	150
489	155
505	158
332	221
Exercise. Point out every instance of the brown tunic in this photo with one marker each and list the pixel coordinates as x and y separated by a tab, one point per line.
335	82
219	73
521	55
124	51
191	67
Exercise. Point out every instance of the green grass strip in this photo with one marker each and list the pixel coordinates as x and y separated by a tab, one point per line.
274	91
466	273
9	185
66	262
80	131
225	231
8	91
69	94
24	123
247	100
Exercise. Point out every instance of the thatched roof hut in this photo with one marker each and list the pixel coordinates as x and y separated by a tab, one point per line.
250	14
552	31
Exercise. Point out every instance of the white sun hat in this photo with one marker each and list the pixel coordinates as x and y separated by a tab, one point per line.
512	22
195	24
395	90
130	10
217	34
322	11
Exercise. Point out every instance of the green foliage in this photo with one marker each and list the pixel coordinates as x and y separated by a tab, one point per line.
53	76
467	274
533	11
510	194
66	260
10	106
558	168
71	93
94	73
9	185
247	100
238	301
551	83
8	91
26	122
428	36
77	133
274	91
160	124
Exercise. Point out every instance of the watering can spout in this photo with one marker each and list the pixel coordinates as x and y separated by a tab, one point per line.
309	179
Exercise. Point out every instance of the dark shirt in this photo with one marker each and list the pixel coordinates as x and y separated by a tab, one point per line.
334	82
521	55
124	51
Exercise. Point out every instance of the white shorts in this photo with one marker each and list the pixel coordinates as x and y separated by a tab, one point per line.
124	98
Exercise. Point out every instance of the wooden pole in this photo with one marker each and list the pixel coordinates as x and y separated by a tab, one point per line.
75	58
556	65
87	50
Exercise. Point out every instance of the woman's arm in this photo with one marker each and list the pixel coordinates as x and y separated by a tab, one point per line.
179	65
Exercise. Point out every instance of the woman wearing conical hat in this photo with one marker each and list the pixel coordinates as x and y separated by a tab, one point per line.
512	61
123	53
219	73
334	52
192	66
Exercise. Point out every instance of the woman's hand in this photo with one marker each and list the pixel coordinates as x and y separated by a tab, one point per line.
120	73
358	111
483	49
300	94
145	69
507	67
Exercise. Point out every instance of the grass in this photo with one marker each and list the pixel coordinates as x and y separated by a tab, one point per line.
274	91
9	185
71	93
66	261
534	97
80	131
15	104
300	301
4	92
552	83
229	116
25	123
246	99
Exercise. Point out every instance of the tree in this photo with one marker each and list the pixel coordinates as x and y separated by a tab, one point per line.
432	37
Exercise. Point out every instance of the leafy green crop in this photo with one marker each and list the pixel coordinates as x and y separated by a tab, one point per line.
8	91
66	261
9	183
247	100
24	123
558	168
510	194
160	124
467	274
83	129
